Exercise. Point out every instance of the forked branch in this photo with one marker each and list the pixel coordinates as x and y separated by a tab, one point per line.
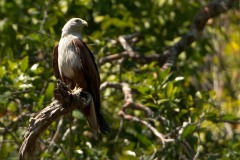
66	101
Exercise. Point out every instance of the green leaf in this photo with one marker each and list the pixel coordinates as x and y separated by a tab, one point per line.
12	106
2	71
169	90
153	105
190	101
12	65
144	140
77	114
127	157
179	79
24	64
199	95
33	11
49	90
188	130
50	21
211	115
162	101
230	118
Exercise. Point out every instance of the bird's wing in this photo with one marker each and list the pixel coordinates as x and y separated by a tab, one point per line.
55	62
87	59
91	76
89	68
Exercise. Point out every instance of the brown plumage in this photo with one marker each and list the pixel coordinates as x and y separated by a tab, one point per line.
74	64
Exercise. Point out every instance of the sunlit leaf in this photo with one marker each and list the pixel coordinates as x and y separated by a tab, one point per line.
77	114
24	64
169	90
49	90
2	71
188	131
127	157
12	106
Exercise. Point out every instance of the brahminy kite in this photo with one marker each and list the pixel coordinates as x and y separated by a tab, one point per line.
74	64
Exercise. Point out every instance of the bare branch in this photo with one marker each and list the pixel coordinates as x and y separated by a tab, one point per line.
169	56
148	125
66	102
130	53
128	97
112	57
130	104
211	10
126	46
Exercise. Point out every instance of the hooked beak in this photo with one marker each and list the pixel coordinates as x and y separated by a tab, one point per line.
84	23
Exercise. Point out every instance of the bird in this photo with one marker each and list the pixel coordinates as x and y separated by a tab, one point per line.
74	64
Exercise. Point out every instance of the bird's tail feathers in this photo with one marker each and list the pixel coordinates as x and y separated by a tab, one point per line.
104	127
96	120
91	117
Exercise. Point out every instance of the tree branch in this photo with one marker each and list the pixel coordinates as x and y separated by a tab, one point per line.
66	101
211	10
130	104
169	56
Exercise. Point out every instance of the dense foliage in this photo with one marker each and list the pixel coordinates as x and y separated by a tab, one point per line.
196	106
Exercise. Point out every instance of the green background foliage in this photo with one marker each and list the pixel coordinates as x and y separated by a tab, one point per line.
197	106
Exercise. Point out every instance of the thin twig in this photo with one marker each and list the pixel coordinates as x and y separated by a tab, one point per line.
148	125
119	130
45	15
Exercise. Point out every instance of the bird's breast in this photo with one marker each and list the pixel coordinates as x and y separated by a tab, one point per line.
68	59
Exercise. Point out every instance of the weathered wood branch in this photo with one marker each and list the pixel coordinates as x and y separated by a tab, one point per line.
66	101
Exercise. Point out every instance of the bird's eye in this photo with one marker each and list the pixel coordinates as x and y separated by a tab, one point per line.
77	20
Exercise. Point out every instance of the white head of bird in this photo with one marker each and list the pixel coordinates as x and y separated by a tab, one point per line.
73	26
